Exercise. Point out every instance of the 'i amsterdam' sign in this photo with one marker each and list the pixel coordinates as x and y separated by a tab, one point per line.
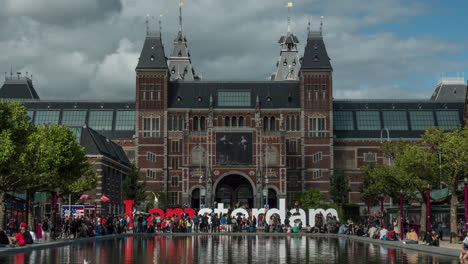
221	210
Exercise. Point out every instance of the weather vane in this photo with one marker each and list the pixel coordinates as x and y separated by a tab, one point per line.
181	4
289	5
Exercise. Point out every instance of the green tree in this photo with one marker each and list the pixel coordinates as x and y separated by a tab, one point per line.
15	128
339	187
132	188
453	148
312	198
56	162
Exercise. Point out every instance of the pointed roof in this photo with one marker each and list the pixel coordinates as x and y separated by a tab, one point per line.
18	88
315	54
96	144
152	55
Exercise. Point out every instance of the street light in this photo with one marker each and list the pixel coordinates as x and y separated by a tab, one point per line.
465	192
402	229
428	208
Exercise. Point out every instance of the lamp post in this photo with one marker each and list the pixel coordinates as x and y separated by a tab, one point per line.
368	212
465	191
402	229
428	208
382	210
202	197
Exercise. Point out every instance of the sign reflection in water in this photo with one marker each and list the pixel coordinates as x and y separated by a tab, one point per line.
224	249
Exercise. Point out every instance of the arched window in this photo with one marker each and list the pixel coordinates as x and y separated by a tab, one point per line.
180	123
298	123
227	121
202	123
288	127
272	124
195	123
265	123
169	123
241	121
234	121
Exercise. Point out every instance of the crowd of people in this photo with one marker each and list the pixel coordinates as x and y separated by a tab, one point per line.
43	230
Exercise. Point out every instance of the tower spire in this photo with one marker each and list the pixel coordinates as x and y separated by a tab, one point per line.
321	24
181	4
147	23
290	4
160	23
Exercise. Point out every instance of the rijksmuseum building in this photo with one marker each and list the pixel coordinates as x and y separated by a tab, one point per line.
248	142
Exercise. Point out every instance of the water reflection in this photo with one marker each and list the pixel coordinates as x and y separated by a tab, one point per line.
224	249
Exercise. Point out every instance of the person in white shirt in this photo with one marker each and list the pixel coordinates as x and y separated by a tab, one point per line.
383	232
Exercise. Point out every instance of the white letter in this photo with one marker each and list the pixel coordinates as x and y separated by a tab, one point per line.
240	210
220	210
281	212
205	210
256	212
301	216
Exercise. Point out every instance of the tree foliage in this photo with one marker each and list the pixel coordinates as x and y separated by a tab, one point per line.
339	187
15	128
132	189
56	161
312	198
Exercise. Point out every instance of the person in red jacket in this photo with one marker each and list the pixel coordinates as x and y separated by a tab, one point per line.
19	239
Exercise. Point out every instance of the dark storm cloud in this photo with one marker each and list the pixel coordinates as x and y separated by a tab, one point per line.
60	12
88	49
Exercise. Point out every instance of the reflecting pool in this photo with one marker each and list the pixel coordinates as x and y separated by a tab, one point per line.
224	249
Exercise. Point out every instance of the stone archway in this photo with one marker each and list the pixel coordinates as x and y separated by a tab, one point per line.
234	188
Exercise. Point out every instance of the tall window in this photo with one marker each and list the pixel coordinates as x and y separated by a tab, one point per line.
233	121
317	127
202	123
174	198
150	156
175	181
195	123
175	145
150	173
241	121
151	127
292	123
316	174
227	121
175	123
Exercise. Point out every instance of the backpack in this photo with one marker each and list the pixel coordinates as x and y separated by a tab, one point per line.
393	236
28	238
45	226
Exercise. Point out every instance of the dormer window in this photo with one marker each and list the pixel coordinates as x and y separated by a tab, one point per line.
316	58
285	63
294	63
268	99
152	58
180	53
179	98
199	99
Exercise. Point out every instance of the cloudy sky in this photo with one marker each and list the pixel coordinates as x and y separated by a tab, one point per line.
88	49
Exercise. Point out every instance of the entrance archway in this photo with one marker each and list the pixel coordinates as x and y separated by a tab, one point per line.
272	199
234	189
195	198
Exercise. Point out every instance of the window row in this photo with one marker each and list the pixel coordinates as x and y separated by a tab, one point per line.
151	128
199	123
96	119
175	123
234	121
269	123
293	123
317	127
316	174
395	120
317	157
151	95
150	86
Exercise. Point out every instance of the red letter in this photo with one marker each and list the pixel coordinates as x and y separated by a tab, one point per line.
128	211
190	212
